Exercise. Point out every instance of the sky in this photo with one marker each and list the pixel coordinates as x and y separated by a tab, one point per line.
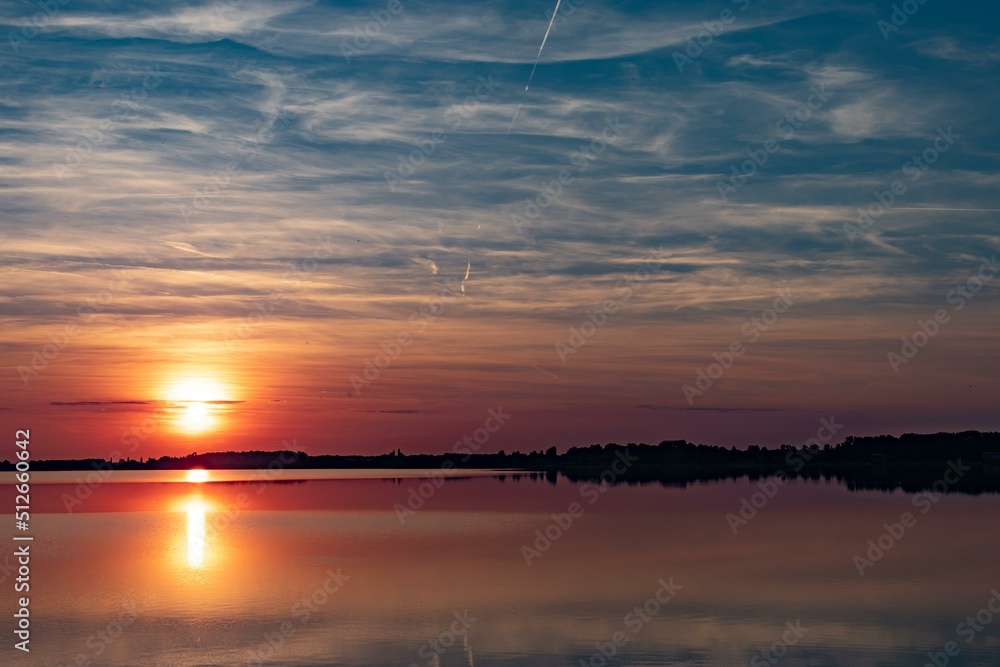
353	227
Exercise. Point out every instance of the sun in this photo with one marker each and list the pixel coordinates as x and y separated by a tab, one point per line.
197	417
196	402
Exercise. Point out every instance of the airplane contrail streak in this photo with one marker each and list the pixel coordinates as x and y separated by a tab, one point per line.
531	76
555	12
468	270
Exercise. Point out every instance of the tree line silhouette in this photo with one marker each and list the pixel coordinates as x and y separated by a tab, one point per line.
911	461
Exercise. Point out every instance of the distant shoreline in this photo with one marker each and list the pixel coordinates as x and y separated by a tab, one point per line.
911	461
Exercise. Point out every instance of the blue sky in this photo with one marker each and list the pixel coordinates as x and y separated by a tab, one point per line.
205	149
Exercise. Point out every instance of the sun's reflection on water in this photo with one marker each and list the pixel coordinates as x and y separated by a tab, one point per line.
196	532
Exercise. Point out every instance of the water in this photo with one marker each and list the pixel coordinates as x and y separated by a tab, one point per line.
323	571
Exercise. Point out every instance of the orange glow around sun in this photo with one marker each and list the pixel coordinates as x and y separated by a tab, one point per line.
199	389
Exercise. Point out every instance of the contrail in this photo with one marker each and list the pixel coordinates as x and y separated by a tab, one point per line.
509	127
552	20
539	56
468	269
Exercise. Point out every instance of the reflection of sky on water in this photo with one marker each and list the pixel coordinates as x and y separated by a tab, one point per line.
328	568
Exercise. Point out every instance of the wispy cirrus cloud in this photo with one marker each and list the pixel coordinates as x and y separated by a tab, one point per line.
288	145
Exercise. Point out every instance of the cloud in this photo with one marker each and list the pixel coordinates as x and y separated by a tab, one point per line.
279	148
188	24
88	403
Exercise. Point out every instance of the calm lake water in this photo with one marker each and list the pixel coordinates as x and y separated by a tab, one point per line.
328	571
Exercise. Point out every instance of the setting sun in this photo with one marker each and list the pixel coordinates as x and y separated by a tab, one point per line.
196	417
196	402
